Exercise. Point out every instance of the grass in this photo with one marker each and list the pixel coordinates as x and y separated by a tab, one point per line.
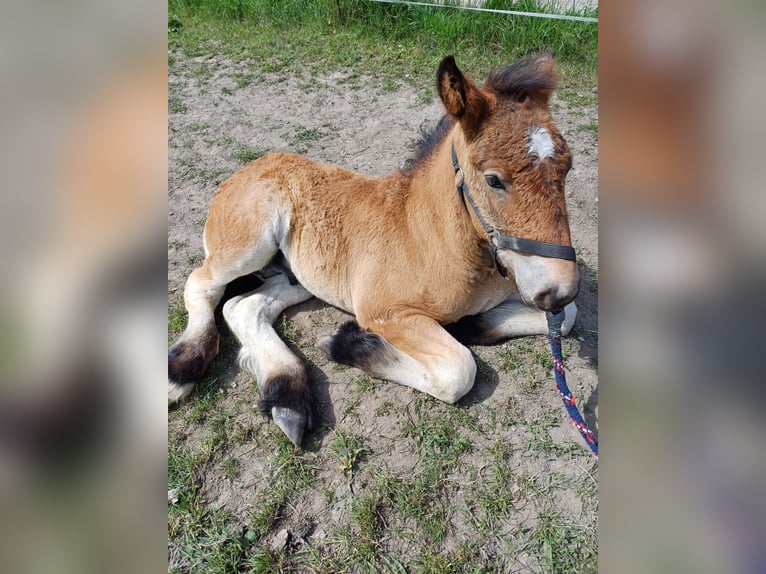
465	488
363	383
396	43
590	127
176	317
248	154
348	449
380	509
218	544
293	474
563	546
176	106
302	137
435	427
307	135
222	543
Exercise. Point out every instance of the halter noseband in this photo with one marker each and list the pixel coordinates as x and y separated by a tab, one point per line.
498	240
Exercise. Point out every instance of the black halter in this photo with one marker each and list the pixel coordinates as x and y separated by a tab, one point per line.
498	240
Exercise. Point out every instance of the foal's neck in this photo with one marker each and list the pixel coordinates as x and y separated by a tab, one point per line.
433	192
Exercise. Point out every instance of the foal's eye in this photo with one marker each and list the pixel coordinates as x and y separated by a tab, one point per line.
494	182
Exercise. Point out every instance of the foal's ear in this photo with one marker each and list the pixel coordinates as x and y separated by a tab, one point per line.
460	96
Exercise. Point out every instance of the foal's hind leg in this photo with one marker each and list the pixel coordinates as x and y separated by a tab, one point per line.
511	318
282	377
415	351
190	356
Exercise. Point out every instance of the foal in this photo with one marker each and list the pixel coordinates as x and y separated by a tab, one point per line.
404	254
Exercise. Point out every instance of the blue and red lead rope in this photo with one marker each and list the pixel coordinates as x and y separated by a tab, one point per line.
555	318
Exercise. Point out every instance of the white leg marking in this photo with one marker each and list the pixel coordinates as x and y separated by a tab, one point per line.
570	314
201	295
444	379
513	318
250	318
177	393
434	362
454	378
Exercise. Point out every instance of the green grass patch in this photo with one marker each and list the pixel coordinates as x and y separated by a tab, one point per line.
590	127
248	154
348	449
287	331
363	383
528	361
419	500
219	543
306	135
207	540
176	317
176	106
465	559
195	260
393	42
562	546
437	425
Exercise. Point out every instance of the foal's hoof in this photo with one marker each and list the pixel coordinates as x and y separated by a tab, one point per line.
325	346
292	423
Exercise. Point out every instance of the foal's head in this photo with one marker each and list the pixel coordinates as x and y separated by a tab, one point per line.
515	162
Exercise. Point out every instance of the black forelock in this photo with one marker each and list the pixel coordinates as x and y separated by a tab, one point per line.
520	79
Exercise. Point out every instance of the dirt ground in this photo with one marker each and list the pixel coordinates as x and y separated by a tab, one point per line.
223	114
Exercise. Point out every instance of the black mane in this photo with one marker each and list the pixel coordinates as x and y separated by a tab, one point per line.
430	138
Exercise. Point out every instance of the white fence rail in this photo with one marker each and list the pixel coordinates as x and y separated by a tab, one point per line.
477	6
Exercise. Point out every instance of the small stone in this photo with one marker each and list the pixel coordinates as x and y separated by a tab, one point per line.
279	542
173	495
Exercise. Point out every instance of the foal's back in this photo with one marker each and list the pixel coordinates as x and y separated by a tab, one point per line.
356	241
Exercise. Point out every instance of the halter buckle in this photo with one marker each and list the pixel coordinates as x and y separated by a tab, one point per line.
459	173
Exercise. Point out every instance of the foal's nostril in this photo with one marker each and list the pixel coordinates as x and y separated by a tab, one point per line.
544	299
556	297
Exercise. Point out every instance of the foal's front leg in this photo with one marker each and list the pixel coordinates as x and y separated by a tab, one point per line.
415	351
511	318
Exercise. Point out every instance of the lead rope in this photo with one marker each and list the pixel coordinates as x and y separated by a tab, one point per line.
555	318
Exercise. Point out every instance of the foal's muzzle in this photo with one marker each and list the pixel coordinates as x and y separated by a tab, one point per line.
557	296
545	282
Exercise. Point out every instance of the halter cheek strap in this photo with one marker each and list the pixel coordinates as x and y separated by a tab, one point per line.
498	240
